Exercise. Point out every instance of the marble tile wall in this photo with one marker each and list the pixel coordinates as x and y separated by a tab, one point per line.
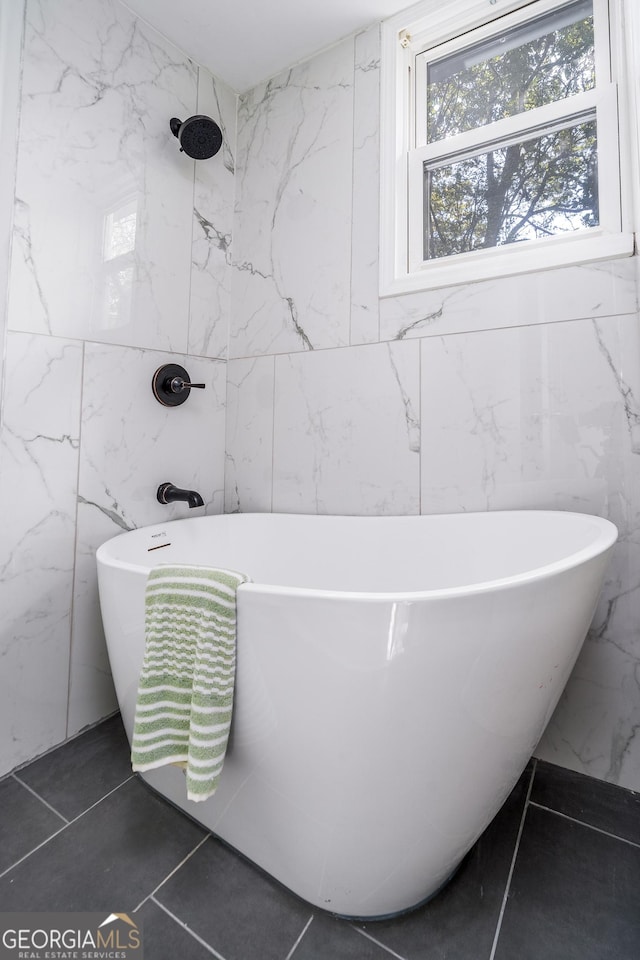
521	392
120	262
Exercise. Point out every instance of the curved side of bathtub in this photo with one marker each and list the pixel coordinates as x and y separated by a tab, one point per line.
373	740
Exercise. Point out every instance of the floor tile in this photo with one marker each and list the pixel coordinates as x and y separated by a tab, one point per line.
110	858
83	770
574	894
24	822
329	939
235	907
461	920
603	805
164	939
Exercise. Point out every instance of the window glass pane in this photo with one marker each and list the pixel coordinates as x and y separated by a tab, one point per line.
538	62
538	188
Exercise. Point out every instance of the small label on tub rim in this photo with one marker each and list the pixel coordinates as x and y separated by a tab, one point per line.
158	546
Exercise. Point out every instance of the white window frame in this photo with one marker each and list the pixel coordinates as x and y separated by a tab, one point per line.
427	26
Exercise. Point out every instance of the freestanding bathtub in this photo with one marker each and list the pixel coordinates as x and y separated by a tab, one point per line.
394	676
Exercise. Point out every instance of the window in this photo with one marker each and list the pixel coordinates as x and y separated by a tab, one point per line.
500	143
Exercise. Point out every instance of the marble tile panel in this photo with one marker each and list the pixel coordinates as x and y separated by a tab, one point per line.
131	444
38	477
104	198
511	420
11	30
366	188
249	437
590	290
594	729
210	305
347	431
292	254
92	694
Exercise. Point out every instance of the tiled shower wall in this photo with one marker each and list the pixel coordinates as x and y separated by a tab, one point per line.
522	392
515	393
119	263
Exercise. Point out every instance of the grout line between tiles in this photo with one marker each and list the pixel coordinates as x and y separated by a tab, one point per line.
468	329
184	926
295	946
65	827
27	855
41	799
151	896
126	780
382	946
583	823
505	897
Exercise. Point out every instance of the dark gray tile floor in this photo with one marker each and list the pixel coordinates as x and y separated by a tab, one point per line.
556	876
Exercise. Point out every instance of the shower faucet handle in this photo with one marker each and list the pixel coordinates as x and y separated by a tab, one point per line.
177	385
171	385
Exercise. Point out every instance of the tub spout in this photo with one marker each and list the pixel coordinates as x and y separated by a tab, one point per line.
168	493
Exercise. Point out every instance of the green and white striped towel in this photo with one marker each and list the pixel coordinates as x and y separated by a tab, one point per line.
185	692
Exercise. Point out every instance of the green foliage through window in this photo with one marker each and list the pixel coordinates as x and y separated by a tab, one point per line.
537	188
494	191
539	62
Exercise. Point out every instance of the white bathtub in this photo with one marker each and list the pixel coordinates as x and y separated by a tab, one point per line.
394	676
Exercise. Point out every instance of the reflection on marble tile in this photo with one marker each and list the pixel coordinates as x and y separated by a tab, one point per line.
210	308
249	440
569	293
103	194
131	444
511	420
523	424
347	431
366	188
292	253
38	475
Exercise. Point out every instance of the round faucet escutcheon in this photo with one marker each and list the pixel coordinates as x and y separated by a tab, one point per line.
171	385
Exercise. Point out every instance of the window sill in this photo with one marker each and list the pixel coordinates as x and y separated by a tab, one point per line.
498	262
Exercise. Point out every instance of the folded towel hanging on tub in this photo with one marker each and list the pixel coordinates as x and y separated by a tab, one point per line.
185	691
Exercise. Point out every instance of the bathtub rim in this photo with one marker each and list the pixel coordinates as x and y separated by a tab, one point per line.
605	540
